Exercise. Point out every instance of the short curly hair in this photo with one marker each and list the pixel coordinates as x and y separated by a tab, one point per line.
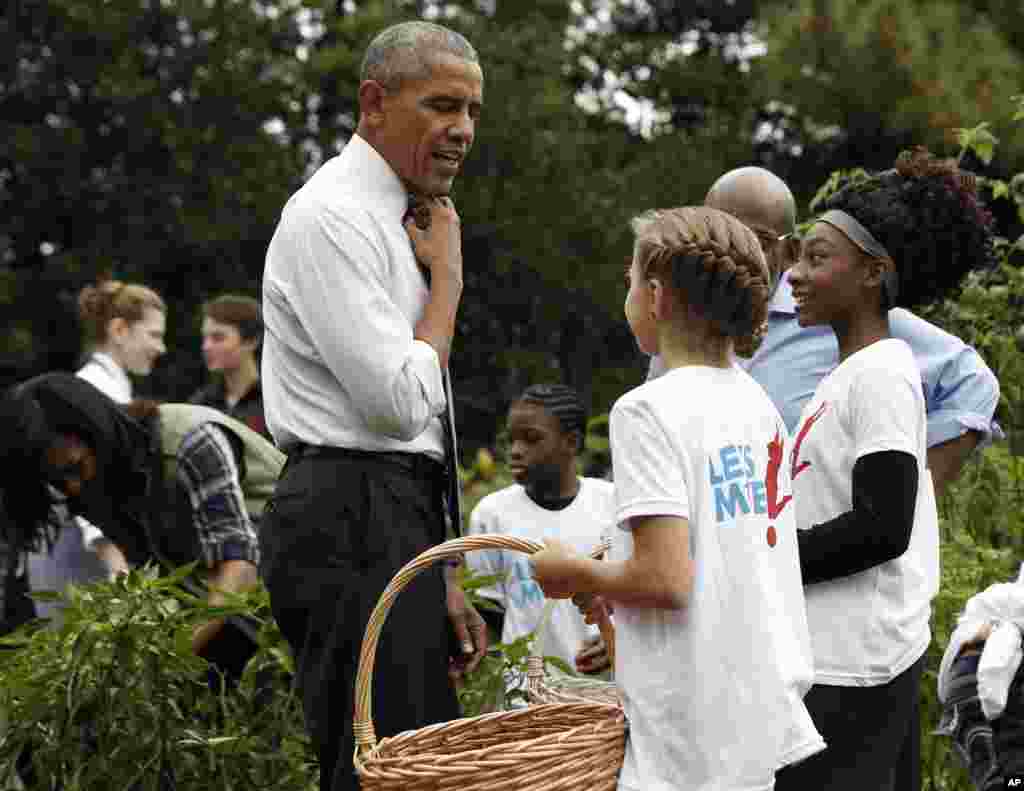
715	261
927	214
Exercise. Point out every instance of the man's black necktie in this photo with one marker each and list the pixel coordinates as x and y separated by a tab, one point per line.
453	491
452	488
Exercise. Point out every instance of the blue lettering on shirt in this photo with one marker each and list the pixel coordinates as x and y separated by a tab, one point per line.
736	487
522	589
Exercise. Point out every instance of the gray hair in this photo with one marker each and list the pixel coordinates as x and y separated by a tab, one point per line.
404	51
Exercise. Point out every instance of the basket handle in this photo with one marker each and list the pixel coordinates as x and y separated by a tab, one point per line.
362	725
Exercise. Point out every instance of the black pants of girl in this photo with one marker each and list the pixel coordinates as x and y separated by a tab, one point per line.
865	728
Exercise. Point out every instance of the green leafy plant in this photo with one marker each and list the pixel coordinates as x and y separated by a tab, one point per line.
114	697
499	681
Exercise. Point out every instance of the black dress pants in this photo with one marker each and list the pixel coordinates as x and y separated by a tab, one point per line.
340	524
866	730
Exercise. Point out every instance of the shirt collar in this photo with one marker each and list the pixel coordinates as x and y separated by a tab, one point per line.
375	176
782	300
109	364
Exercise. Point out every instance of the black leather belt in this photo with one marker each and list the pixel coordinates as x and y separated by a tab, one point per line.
418	465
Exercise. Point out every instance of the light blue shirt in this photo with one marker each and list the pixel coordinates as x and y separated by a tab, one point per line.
960	391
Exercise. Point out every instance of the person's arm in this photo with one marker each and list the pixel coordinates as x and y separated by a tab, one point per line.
208	471
946	460
470	629
105	549
876	530
331	267
652	502
659	573
961	403
961	395
884	419
439	248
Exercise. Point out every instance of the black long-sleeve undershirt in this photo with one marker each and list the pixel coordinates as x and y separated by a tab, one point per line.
875	531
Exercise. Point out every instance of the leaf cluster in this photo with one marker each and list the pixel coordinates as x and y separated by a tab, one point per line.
113	697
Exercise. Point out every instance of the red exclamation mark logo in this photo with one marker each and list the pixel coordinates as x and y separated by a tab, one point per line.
771	535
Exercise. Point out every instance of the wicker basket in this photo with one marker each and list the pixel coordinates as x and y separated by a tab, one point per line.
541	688
562	746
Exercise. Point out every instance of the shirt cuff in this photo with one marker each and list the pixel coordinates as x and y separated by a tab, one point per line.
646	508
234	550
91	534
426	365
944	429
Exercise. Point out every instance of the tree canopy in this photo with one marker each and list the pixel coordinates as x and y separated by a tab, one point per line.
157	141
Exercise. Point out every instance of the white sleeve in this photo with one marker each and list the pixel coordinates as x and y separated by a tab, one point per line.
338	273
90	533
884	412
649	479
486	562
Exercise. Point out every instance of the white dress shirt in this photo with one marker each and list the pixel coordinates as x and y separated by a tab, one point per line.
103	372
342	292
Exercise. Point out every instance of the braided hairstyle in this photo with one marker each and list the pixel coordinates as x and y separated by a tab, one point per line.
927	213
564	403
715	262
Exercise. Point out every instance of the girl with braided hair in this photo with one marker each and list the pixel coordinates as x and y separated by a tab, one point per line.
712	649
865	503
549	499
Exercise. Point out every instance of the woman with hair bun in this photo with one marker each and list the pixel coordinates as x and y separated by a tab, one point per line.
712	649
865	505
124	326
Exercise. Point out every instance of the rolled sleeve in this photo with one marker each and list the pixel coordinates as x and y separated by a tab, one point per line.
207	470
339	273
963	398
961	392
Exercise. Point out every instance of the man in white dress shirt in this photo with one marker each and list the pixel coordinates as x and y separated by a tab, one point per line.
359	303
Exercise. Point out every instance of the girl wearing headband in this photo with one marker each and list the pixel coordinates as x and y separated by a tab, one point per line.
865	506
712	649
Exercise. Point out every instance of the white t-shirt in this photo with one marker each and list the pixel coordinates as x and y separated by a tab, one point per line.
714	691
581	524
869	627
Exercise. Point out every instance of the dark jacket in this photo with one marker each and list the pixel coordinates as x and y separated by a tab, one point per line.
248	410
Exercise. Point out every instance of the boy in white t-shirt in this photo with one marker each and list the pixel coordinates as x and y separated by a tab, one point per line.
868	527
546	427
712	649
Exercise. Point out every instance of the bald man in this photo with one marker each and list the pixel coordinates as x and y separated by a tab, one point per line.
961	392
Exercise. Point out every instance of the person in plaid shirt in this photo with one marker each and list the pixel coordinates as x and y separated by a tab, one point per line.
170	483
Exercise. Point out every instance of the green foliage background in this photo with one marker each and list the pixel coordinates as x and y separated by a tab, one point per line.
158	142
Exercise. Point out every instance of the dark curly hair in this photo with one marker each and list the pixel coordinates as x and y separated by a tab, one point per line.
927	213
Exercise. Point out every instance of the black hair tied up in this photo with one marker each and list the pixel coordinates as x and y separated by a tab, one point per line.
561	401
927	213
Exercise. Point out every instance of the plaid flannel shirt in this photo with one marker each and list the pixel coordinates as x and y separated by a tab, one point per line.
209	474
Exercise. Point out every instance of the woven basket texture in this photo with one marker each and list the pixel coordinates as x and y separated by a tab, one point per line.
564	745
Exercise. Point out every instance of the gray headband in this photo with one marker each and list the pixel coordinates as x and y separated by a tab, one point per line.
862	237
